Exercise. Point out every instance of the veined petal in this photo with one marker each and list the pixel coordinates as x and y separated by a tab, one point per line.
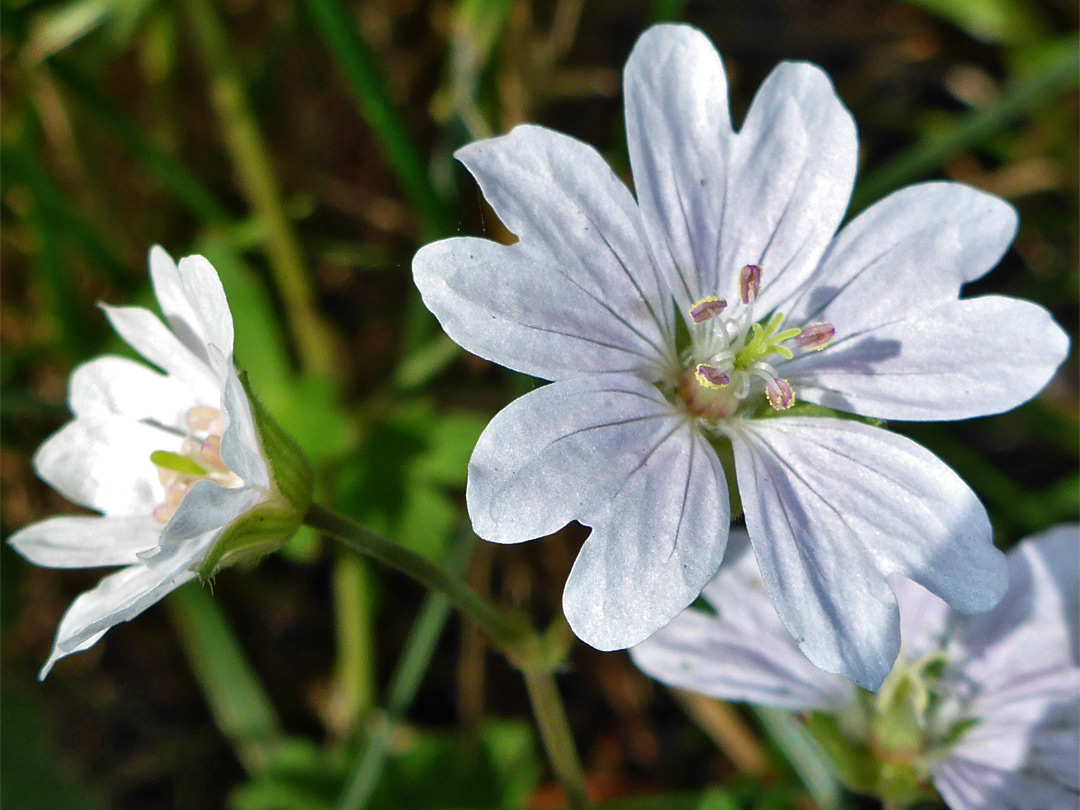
117	598
792	168
925	619
503	306
579	240
910	251
79	541
1032	629
203	289
961	359
744	652
174	301
103	462
560	453
678	130
833	507
118	386
146	334
653	548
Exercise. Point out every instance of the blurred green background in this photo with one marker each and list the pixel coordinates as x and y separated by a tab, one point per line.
305	148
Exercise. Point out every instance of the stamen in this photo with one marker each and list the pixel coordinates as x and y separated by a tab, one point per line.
779	393
749	283
204	419
707	308
710	376
815	337
210	452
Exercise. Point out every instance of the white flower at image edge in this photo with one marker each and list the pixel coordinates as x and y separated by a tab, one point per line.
696	318
995	698
169	460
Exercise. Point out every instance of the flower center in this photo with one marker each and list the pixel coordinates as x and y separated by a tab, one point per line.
199	458
731	354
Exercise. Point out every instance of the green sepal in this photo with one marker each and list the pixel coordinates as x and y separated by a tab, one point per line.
289	467
252	536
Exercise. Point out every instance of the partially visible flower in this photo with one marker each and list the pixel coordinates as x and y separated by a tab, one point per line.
986	707
718	317
188	473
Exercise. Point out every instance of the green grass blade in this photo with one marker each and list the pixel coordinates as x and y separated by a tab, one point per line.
236	697
804	755
1051	82
358	64
162	165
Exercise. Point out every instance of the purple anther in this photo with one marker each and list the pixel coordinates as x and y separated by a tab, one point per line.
707	308
779	393
815	337
711	376
749	283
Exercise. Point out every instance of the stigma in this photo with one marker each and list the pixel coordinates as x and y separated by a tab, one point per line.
199	458
732	356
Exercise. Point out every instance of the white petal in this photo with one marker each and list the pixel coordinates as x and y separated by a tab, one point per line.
654	547
925	620
240	448
559	453
742	653
1032	629
77	541
103	462
174	302
960	359
679	135
122	387
973	786
203	289
908	252
146	334
577	292
833	507
206	507
792	168
117	598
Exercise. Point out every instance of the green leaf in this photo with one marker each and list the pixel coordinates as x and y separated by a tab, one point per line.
997	21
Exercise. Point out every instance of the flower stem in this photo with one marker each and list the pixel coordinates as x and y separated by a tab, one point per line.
510	633
555	733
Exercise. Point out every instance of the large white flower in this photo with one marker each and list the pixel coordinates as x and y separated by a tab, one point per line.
676	327
171	461
987	707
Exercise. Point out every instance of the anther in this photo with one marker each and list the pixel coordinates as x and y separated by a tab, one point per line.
815	337
710	376
707	308
749	283
779	393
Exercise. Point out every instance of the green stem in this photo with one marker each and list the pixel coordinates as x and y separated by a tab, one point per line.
805	756
355	661
510	633
555	733
251	157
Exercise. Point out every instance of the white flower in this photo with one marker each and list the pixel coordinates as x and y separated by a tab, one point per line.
173	461
986	707
676	327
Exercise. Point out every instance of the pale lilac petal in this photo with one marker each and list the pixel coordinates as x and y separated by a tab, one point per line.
792	168
122	387
174	301
561	452
145	333
908	252
117	598
679	135
925	619
203	289
957	360
974	786
744	652
577	292
655	545
835	506
1032	630
77	541
103	462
